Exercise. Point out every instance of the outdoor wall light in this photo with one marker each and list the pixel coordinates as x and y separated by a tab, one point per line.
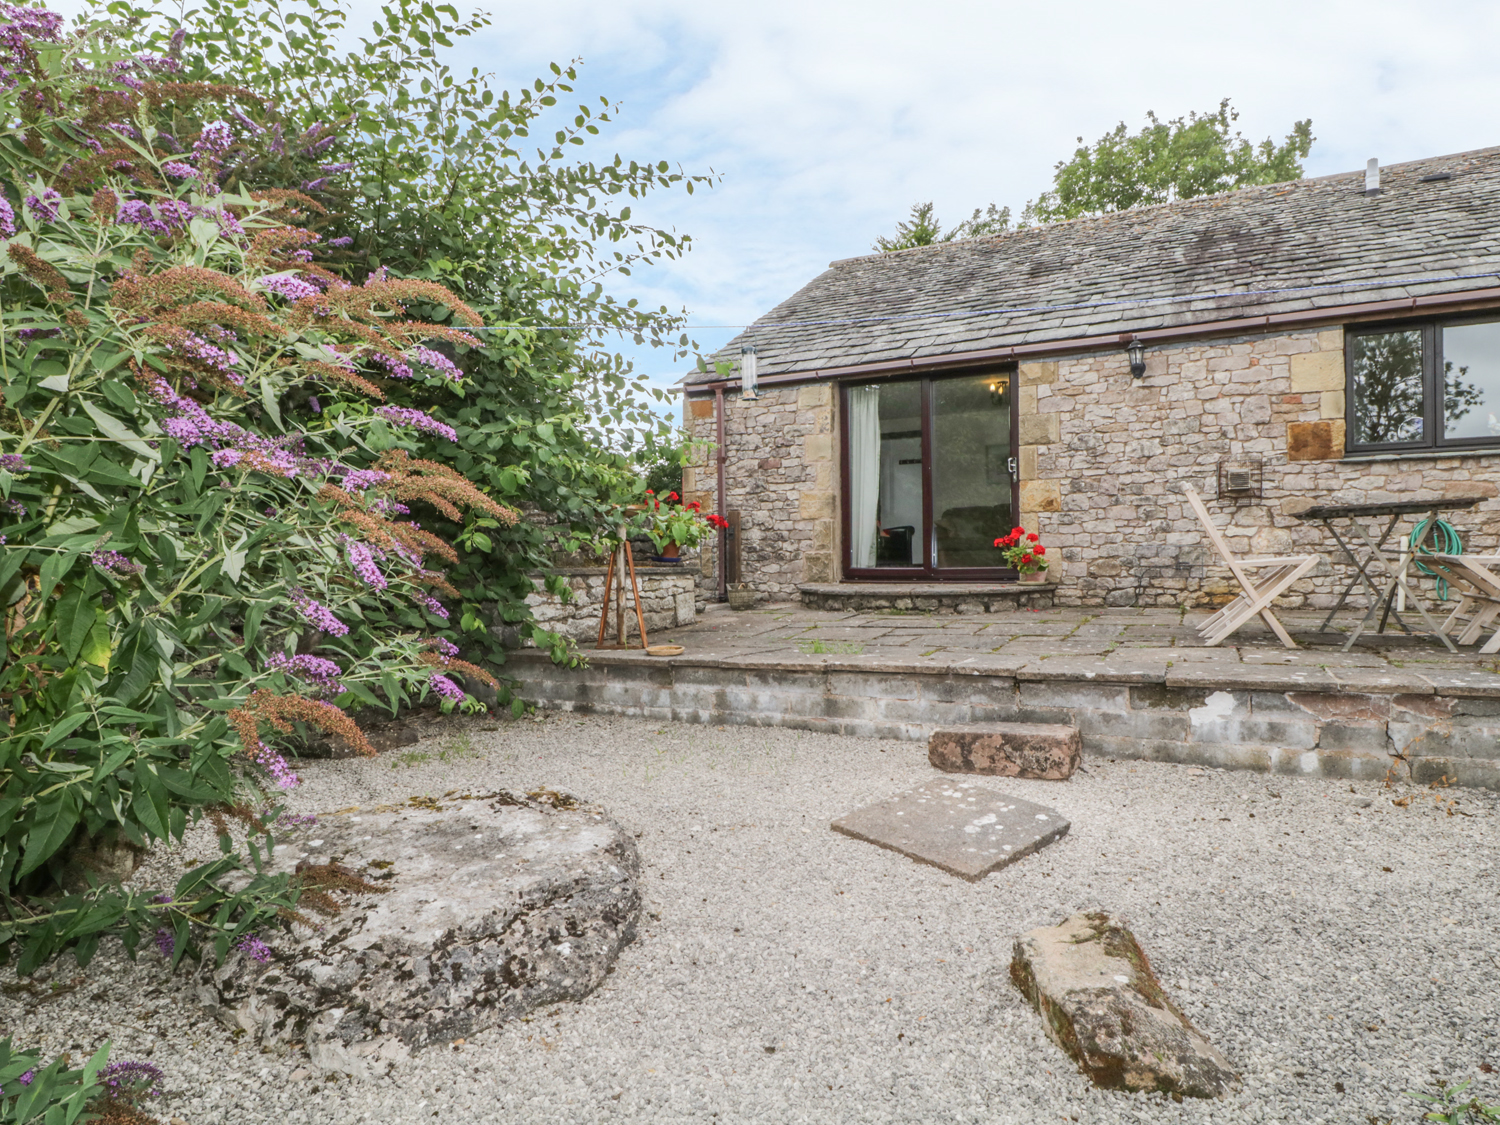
1137	353
1000	391
747	372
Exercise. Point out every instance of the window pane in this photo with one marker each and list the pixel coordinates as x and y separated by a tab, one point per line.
1471	381
970	469
1387	386
885	475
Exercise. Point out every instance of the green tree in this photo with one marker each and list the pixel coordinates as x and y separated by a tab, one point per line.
1200	154
445	184
924	229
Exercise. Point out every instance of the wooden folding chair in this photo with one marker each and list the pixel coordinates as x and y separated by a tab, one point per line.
1258	592
1478	589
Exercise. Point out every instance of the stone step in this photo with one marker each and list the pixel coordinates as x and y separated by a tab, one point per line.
1043	751
933	597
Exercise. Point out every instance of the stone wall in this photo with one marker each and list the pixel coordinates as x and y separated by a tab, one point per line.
782	476
1103	458
1425	728
667	599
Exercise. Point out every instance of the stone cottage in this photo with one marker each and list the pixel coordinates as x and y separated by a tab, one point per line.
1270	347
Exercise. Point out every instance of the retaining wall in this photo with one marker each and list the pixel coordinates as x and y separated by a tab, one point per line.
1304	721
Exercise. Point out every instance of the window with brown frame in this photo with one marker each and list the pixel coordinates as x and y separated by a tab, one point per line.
929	476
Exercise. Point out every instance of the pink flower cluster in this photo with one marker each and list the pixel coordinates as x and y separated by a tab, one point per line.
179	171
190	425
288	286
433	606
44	206
357	480
115	563
397	369
212	356
440	363
318	615
275	765
254	948
406	416
445	687
362	558
314	670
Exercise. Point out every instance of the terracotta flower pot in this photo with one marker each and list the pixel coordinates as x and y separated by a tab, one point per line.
670	551
1033	576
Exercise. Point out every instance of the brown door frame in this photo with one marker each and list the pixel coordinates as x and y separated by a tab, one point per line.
929	570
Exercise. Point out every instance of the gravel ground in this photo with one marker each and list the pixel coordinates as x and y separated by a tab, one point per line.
1338	953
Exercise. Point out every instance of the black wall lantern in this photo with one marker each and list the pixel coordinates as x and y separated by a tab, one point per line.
1137	353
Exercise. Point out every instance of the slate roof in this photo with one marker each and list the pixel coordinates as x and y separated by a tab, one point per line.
1279	248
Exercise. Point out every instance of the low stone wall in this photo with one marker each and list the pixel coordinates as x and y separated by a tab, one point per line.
1299	721
667	599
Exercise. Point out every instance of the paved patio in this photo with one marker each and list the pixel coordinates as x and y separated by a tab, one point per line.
1105	640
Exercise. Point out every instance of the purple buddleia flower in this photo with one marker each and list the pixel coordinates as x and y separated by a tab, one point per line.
314	185
174	45
274	764
406	416
445	687
341	242
397	369
28	1078
14	507
179	171
291	287
362	558
436	360
444	648
14	463
433	606
249	125
357	480
129	1075
115	563
29	334
217	359
312	670
314	405
254	948
44	206
318	615
7	218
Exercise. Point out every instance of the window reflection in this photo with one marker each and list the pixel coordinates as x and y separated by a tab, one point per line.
1471	381
1387	378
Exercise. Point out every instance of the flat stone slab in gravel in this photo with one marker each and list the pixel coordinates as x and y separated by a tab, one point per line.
488	908
965	829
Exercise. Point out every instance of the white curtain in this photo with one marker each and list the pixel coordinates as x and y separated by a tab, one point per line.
864	472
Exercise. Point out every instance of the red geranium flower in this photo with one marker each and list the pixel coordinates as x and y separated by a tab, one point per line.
1026	559
1034	537
1039	550
673	496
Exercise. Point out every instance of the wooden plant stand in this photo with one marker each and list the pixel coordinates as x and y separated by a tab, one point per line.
625	558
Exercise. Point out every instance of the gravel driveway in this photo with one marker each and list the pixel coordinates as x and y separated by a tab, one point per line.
1339	952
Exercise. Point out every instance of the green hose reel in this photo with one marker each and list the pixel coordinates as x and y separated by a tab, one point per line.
1444	540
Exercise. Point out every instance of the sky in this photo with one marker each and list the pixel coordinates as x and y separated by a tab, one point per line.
826	121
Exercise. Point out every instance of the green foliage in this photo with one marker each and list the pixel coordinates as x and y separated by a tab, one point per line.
179	519
52	1094
1450	1109
446	185
1183	158
923	229
664	473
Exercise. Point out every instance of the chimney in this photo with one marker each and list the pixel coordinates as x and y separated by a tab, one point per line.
1372	177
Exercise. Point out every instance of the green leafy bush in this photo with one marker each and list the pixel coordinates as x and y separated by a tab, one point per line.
213	523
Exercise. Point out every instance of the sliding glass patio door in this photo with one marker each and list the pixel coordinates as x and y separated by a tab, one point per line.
929	476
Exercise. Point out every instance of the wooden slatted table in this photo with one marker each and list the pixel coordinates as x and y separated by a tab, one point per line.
1394	571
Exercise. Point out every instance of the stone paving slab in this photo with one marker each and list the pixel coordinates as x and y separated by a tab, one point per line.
1119	645
962	828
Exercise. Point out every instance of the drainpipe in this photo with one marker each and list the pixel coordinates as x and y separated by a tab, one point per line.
721	458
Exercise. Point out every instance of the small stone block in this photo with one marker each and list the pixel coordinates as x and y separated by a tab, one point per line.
1043	751
961	827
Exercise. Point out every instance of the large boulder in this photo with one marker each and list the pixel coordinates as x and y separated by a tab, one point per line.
1101	1003
456	915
